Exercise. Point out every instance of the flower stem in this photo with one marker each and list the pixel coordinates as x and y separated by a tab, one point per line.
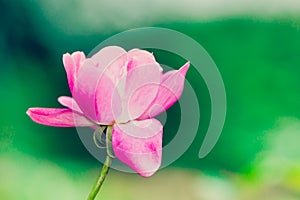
101	178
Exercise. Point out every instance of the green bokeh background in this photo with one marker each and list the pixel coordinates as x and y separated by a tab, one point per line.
256	157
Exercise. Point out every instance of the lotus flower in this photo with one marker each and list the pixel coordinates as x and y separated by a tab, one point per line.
124	90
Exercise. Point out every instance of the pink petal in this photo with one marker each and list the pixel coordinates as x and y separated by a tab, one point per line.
141	87
108	101
138	144
108	54
72	64
61	117
114	60
137	57
95	91
169	92
69	102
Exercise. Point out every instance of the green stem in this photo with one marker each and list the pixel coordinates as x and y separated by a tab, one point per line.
109	150
101	178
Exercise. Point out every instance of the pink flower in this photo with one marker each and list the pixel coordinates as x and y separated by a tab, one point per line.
121	89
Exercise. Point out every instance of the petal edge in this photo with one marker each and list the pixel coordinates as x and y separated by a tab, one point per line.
138	144
60	117
169	92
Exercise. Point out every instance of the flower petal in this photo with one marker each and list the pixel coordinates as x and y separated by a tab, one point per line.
69	102
95	90
169	92
108	54
141	87
72	64
138	57
114	60
138	144
61	117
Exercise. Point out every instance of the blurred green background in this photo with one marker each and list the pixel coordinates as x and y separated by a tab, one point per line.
256	47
